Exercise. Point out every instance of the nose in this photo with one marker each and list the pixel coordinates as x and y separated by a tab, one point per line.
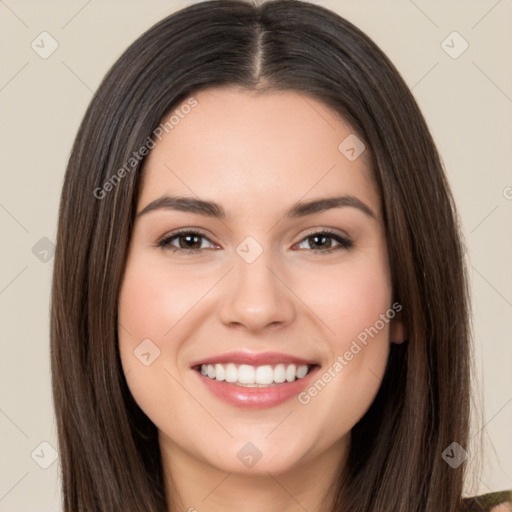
258	297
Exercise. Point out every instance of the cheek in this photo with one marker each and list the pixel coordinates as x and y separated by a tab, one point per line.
149	303
361	323
355	307
349	299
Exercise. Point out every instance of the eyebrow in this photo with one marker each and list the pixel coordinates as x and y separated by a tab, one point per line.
212	209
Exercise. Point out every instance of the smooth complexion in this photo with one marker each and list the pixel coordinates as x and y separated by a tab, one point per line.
256	156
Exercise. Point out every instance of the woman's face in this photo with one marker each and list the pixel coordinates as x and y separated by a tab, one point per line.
219	324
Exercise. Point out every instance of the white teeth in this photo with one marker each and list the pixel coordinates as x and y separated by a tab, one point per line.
220	372
264	375
290	372
231	373
255	376
279	373
246	374
302	371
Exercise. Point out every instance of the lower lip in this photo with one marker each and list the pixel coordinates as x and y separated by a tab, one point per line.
254	397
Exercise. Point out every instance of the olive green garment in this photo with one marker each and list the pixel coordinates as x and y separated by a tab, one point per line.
489	502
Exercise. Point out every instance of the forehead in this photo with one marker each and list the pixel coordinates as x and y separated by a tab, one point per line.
237	145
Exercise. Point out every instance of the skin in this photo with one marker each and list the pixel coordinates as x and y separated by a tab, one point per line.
256	156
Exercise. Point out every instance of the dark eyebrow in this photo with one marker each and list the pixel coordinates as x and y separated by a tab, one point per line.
302	209
212	209
185	204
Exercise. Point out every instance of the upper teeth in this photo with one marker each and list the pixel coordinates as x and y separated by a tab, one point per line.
246	375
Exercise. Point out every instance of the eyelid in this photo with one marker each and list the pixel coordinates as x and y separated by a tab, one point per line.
344	240
161	242
331	231
190	229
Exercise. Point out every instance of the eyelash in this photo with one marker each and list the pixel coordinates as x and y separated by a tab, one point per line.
344	243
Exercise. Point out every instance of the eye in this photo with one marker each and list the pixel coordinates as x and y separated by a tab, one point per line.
322	242
189	241
186	241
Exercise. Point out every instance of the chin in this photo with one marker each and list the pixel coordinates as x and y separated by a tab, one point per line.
258	456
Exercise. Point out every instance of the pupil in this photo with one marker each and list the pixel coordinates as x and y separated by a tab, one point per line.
189	241
323	239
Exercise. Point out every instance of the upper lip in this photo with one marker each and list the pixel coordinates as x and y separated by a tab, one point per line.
253	359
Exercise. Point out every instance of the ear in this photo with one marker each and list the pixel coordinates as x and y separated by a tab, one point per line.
398	333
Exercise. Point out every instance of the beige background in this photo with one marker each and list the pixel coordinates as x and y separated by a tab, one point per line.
467	102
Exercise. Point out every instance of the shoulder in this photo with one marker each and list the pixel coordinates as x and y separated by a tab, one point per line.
492	502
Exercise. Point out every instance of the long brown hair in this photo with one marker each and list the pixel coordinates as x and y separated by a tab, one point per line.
108	447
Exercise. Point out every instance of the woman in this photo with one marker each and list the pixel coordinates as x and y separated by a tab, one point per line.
259	298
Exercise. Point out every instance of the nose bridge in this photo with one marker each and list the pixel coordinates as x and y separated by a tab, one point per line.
255	277
257	297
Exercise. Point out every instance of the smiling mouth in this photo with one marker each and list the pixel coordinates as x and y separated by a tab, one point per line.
245	375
